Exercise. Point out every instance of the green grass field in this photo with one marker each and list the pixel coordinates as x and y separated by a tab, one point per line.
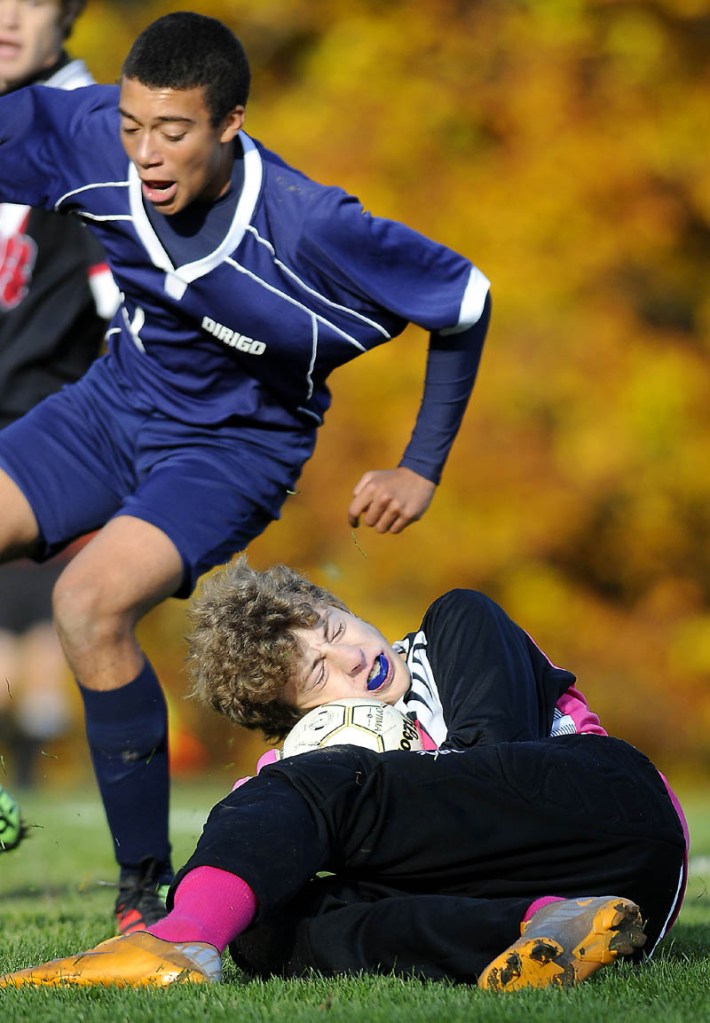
57	893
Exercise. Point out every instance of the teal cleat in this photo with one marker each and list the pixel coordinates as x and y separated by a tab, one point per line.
12	828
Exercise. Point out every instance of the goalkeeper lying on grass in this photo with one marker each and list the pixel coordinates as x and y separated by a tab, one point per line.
524	848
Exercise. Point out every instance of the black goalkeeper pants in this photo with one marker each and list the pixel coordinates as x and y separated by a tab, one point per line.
436	857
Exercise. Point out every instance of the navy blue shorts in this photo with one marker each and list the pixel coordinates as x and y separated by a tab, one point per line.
91	452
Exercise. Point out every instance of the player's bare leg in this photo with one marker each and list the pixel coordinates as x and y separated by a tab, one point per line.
18	535
128	568
18	525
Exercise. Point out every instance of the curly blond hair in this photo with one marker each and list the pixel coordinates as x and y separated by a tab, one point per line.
242	650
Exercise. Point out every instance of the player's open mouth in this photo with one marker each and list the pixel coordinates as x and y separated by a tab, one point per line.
379	674
159	192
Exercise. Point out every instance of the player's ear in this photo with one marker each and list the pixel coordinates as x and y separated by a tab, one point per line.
232	124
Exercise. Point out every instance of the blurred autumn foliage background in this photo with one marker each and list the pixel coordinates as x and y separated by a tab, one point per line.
562	145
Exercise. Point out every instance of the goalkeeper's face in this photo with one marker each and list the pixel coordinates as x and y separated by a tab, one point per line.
343	657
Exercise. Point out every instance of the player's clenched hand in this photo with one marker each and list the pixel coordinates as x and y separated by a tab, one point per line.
390	499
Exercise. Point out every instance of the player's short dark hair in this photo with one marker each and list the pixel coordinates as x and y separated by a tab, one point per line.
185	50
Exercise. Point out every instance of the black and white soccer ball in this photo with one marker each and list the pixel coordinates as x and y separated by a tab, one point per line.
357	722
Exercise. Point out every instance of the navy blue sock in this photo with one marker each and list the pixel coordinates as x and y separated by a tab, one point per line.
127	729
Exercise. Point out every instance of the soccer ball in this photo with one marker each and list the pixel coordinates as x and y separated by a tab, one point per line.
356	722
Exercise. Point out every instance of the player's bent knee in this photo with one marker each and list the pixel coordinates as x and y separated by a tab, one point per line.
85	610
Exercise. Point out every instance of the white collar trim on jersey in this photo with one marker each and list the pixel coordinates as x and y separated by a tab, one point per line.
178	278
73	75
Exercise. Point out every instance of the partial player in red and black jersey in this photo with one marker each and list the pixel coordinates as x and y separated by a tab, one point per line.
56	296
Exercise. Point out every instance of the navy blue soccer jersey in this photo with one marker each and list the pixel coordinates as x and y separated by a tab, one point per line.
303	281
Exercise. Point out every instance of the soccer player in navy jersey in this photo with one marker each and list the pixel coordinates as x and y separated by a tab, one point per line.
244	284
524	847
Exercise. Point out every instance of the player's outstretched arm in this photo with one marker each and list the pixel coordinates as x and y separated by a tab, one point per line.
452	365
389	500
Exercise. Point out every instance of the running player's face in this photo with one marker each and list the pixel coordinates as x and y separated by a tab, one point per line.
344	657
180	155
31	34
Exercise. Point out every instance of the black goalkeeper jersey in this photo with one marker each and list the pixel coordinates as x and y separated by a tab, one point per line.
478	678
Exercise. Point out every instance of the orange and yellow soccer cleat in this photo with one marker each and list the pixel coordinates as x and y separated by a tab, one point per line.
130	960
566	942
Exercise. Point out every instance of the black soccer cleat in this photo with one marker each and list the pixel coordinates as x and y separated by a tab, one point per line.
141	898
